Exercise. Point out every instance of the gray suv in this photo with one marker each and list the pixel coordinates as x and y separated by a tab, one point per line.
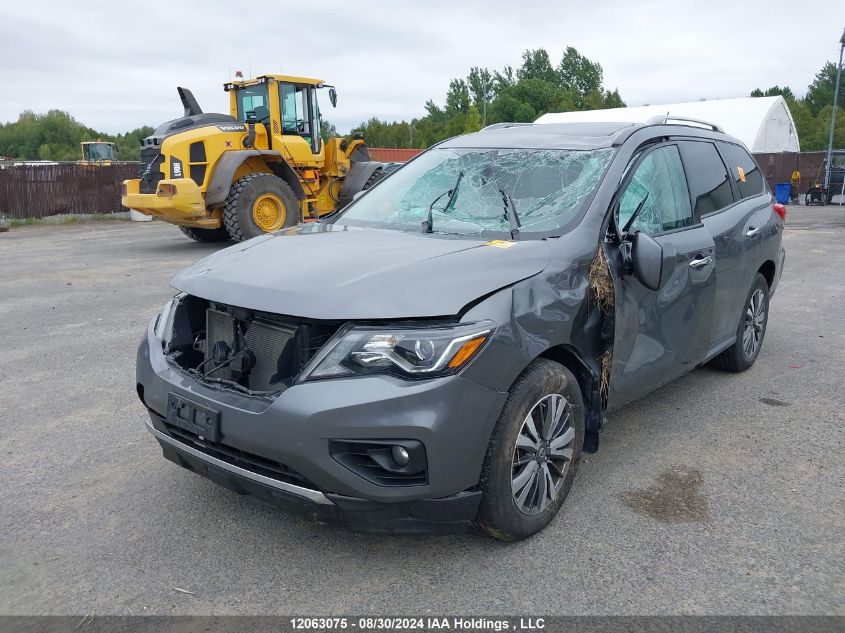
442	351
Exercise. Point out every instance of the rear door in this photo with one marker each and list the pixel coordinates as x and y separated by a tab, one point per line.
727	218
662	334
737	231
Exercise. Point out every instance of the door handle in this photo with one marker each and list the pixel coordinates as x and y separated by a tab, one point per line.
752	232
700	261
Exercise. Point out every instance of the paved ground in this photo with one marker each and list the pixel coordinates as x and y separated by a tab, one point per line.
717	494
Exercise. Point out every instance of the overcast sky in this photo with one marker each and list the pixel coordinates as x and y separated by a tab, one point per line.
115	66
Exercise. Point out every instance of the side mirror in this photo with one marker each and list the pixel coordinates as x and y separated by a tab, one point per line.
647	257
333	97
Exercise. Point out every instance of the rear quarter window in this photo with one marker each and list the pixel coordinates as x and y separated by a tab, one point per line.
707	177
743	170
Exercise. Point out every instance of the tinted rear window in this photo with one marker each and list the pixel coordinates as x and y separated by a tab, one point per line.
707	176
743	170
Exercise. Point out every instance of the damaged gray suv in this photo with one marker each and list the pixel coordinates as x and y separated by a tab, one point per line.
442	351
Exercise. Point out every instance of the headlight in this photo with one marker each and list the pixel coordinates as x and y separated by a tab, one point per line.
164	321
407	352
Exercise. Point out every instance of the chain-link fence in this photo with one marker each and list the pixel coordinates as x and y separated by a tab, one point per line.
38	190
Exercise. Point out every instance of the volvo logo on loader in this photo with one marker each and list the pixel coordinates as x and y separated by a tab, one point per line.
284	173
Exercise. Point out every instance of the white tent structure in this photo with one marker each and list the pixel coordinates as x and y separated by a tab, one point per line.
764	124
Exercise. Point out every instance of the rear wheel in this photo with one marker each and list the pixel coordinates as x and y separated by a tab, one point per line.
533	452
259	203
220	234
751	331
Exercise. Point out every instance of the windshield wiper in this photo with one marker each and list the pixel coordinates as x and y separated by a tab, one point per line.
510	212
635	214
427	224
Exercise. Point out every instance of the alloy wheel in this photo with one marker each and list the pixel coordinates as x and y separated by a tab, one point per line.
755	316
543	454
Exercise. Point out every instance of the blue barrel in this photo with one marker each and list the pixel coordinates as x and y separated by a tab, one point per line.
782	191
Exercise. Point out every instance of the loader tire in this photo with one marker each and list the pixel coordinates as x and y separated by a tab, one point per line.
220	234
259	203
376	176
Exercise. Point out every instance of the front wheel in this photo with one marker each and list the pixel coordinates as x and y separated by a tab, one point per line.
533	453
259	203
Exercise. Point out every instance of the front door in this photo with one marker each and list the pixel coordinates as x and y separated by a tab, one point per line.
661	334
300	120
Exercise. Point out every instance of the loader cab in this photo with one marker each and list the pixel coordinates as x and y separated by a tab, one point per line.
287	107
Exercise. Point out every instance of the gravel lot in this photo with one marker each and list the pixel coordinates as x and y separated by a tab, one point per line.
716	494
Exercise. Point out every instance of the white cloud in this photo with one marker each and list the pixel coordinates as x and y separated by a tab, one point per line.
115	67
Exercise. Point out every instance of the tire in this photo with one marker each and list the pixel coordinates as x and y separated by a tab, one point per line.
220	234
755	315
375	177
259	195
512	505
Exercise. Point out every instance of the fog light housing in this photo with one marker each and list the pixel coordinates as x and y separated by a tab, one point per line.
384	462
400	455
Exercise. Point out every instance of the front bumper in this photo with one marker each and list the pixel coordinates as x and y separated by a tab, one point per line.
446	515
186	207
453	418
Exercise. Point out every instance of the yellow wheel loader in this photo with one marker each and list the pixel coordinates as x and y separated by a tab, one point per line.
96	153
256	170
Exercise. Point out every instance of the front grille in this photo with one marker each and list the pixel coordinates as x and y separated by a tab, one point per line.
198	174
266	340
242	459
151	161
257	353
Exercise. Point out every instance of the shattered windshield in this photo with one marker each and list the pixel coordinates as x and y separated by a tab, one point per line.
469	190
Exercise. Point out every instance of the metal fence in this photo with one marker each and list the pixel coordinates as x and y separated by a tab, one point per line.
37	190
779	167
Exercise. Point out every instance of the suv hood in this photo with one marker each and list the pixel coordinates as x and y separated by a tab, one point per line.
335	272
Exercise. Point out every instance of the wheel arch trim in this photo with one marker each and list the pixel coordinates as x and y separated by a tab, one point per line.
224	171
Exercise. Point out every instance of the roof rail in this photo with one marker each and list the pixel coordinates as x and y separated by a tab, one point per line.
668	119
500	126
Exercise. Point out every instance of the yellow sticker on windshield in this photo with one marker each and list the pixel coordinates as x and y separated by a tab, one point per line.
741	172
501	243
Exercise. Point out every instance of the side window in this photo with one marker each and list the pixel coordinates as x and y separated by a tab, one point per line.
287	97
303	123
707	177
743	169
659	180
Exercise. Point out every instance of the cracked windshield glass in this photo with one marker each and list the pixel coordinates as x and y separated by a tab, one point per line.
469	191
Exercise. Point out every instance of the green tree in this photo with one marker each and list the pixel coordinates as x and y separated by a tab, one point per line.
457	97
327	130
580	75
537	65
774	91
521	95
820	92
481	85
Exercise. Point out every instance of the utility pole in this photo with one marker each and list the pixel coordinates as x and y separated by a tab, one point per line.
833	115
484	104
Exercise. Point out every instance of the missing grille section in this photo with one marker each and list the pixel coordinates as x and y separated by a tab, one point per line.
250	351
264	340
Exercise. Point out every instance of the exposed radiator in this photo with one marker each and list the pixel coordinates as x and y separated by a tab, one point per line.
266	339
